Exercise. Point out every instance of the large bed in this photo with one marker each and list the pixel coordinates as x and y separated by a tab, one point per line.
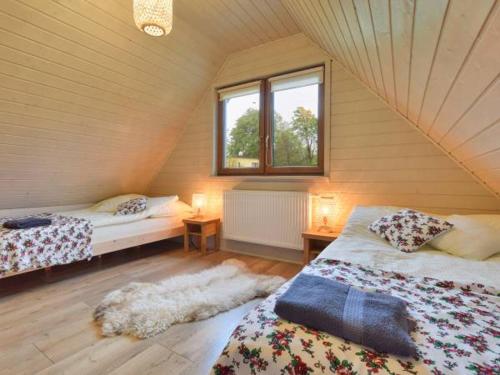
454	302
358	245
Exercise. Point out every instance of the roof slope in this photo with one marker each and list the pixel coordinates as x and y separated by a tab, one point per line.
436	62
90	106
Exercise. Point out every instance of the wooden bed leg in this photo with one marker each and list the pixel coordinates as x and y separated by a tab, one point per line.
186	239
99	260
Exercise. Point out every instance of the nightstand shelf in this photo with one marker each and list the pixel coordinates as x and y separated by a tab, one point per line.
315	242
202	227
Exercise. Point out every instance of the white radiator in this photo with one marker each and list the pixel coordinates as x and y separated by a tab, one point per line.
274	218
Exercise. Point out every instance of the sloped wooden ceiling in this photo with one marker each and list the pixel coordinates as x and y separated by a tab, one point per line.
238	24
437	62
90	106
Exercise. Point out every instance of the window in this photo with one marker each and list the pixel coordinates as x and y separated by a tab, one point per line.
272	126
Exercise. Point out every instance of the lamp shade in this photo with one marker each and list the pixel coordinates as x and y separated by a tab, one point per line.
154	17
325	210
199	201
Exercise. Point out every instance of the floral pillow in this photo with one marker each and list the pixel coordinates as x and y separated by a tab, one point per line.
408	230
133	206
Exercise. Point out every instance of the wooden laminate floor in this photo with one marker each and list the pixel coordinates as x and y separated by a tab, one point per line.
46	322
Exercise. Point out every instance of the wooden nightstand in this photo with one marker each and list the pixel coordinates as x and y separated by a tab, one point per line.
315	242
202	227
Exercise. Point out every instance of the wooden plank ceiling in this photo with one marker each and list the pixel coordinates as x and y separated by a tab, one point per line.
436	62
90	106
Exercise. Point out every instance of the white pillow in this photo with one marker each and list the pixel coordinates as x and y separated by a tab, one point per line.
178	208
473	236
492	220
111	204
159	206
362	216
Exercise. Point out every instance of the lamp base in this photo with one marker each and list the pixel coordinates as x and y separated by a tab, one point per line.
198	214
325	229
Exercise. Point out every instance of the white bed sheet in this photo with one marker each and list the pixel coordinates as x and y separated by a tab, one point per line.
358	245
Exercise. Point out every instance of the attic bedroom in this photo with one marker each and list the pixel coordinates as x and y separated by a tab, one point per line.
249	187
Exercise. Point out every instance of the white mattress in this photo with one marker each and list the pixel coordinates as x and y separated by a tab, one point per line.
109	227
358	245
136	228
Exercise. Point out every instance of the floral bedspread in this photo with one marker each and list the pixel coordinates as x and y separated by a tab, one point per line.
66	240
457	331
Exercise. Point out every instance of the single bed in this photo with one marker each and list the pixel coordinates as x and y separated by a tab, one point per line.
457	322
112	232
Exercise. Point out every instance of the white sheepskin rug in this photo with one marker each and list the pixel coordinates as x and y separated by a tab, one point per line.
145	309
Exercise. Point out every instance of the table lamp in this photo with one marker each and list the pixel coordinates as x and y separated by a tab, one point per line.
199	201
325	210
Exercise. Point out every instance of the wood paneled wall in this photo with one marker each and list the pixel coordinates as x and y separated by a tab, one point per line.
376	157
90	106
437	62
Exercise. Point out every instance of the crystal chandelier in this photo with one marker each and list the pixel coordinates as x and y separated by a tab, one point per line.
154	17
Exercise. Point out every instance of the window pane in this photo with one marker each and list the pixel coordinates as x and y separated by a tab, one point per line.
241	131
295	127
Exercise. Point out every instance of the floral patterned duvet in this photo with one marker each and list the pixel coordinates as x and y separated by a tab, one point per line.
66	240
457	331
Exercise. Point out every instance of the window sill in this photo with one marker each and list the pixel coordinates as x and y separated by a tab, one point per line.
269	178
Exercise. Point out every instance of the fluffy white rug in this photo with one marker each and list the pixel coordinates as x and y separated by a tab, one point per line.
145	309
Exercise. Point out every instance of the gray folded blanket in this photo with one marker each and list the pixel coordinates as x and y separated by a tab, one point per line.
26	223
375	320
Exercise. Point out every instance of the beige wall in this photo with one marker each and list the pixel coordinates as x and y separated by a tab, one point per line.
90	106
88	103
375	156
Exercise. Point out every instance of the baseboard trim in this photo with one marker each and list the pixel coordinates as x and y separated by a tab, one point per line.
262	251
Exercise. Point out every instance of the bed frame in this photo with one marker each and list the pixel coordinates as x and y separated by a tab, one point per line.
103	246
121	243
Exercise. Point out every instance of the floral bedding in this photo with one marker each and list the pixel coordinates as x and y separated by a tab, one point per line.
457	331
66	240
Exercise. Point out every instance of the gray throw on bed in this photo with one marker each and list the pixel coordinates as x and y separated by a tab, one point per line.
376	320
27	222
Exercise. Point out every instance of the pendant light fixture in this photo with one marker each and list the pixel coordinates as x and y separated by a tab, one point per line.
154	17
